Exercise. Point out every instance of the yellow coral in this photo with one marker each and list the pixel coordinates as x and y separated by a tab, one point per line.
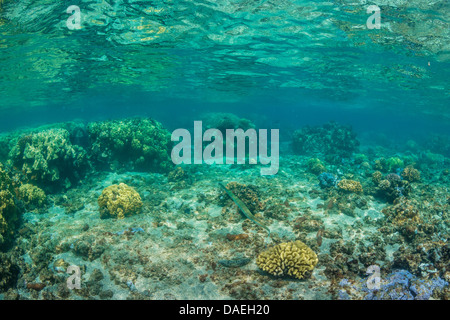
350	186
119	201
384	184
315	166
176	175
31	195
410	174
404	212
9	212
289	258
377	177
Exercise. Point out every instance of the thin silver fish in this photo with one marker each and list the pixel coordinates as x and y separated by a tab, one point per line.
241	205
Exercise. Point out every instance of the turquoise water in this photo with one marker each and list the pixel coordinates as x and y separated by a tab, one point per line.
75	104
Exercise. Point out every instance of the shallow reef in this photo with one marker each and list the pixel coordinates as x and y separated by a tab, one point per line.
223	121
333	140
49	159
140	143
105	197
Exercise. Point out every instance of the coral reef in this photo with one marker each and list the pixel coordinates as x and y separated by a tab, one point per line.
341	216
404	215
49	159
399	285
294	259
5	145
247	193
315	166
377	176
141	143
327	180
410	174
223	121
389	165
9	271
9	211
439	144
332	140
32	196
350	186
176	175
391	186
119	201
402	212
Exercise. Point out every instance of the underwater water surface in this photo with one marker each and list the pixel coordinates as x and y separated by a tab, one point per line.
91	92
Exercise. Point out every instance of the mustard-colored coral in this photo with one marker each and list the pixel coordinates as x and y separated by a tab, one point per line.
410	174
315	166
403	212
119	201
9	212
294	259
350	186
377	176
32	196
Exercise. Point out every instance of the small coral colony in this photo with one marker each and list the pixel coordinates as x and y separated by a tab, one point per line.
105	196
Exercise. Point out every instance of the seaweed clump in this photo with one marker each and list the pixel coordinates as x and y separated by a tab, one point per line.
119	201
141	143
49	159
294	259
9	210
332	140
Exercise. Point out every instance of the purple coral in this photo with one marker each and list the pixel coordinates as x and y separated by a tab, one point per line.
327	180
399	285
402	285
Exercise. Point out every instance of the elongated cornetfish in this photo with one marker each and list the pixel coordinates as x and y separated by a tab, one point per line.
241	205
